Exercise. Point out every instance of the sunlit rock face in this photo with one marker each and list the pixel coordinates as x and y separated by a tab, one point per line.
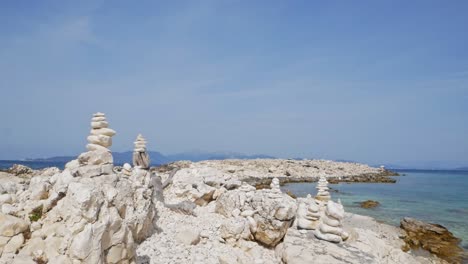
83	214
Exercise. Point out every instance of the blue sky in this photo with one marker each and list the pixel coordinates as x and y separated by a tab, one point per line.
372	81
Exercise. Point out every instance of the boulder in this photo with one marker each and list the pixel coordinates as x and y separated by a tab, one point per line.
433	238
11	226
20	170
96	157
268	213
369	204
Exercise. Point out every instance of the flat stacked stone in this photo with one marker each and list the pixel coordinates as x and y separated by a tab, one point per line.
330	227
308	214
100	137
140	155
98	159
322	190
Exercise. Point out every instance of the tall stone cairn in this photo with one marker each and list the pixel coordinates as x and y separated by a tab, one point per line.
140	155
100	137
322	190
98	159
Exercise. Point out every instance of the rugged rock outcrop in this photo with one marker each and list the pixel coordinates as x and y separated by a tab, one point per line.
84	214
267	213
369	242
20	170
433	238
369	204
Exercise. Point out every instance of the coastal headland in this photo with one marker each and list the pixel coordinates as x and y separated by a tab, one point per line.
215	211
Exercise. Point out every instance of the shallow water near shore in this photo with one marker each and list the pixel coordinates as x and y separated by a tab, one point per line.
433	196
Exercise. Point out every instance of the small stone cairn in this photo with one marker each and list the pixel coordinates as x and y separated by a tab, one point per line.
322	190
308	214
330	227
275	191
140	156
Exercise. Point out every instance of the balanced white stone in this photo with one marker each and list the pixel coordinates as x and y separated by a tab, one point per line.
330	227
275	185
322	190
140	156
127	169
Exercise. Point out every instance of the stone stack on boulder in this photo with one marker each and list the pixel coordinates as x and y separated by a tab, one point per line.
84	214
140	156
330	227
101	134
98	159
322	190
308	214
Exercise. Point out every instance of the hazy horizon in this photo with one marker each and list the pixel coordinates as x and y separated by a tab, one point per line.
374	82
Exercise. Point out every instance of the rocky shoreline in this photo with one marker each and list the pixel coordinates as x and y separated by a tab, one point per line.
203	212
260	172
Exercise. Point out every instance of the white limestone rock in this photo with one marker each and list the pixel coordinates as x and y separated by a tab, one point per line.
6	199
11	226
188	236
14	244
96	157
267	218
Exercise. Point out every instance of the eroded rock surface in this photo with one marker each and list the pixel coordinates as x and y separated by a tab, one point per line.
434	238
84	214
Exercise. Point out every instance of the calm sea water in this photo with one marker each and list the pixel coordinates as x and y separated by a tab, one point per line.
5	164
434	196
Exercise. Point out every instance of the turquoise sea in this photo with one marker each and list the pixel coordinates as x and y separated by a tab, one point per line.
434	196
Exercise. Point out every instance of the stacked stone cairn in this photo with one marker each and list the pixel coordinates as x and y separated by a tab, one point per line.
101	134
322	190
308	213
275	191
98	159
275	185
330	227
140	156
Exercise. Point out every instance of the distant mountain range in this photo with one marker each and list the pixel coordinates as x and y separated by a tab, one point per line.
158	158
